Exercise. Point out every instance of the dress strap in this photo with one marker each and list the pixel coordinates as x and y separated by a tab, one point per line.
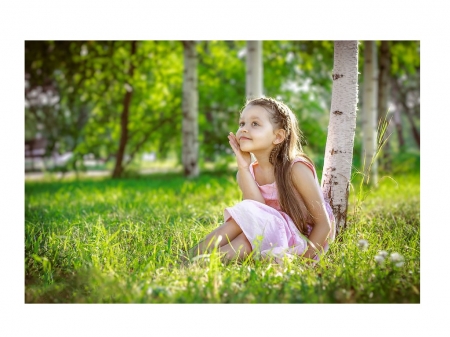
251	169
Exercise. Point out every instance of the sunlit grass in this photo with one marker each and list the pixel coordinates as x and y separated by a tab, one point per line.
108	241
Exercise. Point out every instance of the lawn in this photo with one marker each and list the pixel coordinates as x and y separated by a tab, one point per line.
98	240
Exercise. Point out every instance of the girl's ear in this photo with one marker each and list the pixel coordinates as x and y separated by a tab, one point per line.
280	135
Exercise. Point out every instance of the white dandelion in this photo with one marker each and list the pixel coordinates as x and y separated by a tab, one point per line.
383	253
363	244
379	259
397	259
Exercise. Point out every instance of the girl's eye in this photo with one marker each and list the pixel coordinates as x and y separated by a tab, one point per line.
241	124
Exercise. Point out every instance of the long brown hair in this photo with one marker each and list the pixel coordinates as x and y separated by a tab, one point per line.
282	156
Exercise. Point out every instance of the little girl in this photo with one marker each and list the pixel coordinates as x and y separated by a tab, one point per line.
283	211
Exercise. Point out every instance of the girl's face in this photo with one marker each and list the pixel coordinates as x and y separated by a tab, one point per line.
256	132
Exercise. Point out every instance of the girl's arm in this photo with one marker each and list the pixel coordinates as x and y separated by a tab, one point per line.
248	186
306	185
244	178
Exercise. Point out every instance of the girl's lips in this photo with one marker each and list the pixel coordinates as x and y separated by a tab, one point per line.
244	138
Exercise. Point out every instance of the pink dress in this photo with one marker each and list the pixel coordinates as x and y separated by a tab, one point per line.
268	229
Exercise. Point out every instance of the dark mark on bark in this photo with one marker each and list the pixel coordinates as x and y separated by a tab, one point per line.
337	76
337	112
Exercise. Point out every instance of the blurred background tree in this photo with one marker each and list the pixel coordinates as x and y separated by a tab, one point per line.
75	97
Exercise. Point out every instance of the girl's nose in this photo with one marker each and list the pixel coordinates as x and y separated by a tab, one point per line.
240	130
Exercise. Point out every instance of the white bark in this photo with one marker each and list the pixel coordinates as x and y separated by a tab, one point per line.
341	130
190	111
254	75
370	112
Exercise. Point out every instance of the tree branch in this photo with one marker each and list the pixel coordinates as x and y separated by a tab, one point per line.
147	135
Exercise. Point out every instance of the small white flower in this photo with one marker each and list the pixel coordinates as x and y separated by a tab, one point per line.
383	253
379	259
363	244
397	259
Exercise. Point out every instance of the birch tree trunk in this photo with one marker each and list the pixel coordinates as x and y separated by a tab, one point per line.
383	99
118	168
341	130
369	120
190	111
402	98
254	74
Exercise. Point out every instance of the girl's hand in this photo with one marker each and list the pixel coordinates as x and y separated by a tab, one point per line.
243	159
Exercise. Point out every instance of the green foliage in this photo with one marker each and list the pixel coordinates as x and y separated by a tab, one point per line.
221	86
299	73
88	80
405	57
120	241
405	70
91	78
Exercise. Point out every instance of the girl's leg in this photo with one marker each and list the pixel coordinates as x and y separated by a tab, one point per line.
229	231
240	247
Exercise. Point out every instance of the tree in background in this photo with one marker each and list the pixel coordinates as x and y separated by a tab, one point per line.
370	112
57	105
406	93
190	111
404	103
298	73
84	87
383	100
154	112
118	168
254	72
341	130
221	87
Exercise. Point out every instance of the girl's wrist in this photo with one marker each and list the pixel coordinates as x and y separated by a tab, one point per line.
243	169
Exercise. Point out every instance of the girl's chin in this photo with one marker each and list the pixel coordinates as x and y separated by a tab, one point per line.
245	148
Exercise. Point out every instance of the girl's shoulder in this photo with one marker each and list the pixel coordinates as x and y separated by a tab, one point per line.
305	161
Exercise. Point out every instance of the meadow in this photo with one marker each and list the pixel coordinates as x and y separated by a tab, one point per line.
99	240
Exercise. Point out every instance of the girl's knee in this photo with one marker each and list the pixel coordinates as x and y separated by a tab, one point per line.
233	226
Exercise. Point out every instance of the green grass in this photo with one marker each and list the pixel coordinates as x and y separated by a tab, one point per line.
118	241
